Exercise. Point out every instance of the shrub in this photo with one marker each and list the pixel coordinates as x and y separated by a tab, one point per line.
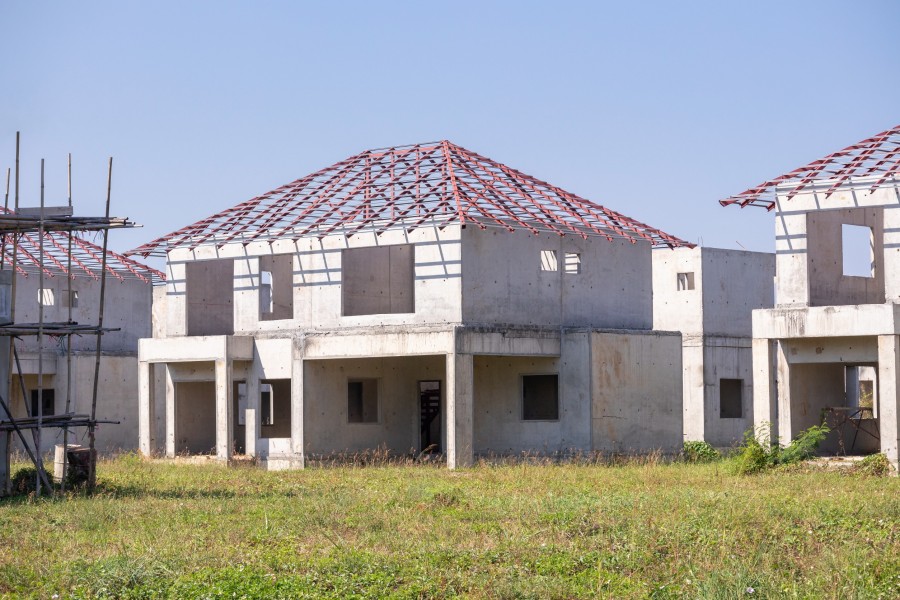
758	452
874	465
696	451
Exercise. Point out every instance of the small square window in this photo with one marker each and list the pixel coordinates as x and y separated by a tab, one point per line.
731	401
549	261
46	297
362	401
572	263
540	397
685	281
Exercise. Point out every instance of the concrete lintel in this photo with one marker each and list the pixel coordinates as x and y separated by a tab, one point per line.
377	343
195	348
826	321
848	350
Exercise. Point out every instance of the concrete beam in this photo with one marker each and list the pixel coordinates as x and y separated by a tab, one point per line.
827	321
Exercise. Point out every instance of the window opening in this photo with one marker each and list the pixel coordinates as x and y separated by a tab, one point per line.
731	401
266	404
265	292
70	300
685	281
362	401
540	397
573	263
46	297
548	261
858	249
378	280
48	402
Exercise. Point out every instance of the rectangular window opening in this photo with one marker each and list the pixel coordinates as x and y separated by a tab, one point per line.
685	281
266	404
549	261
858	249
731	401
573	263
47	402
362	401
378	280
46	297
276	289
540	397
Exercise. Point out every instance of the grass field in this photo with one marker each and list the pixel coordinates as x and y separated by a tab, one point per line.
634	530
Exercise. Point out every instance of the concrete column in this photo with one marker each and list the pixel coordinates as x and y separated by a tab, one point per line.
888	394
783	423
224	402
170	413
765	395
297	403
252	414
146	410
460	407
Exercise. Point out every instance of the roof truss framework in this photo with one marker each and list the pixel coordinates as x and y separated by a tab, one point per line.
86	258
877	159
406	187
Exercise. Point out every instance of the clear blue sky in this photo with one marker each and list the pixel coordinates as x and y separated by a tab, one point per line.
653	109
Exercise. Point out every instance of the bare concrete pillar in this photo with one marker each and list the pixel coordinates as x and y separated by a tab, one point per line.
888	393
765	395
460	409
224	410
297	403
146	410
170	413
252	414
783	423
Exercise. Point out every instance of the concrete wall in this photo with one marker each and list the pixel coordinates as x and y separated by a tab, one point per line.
116	396
317	293
636	390
503	281
726	358
735	283
326	426
805	264
127	307
827	283
210	297
677	309
499	427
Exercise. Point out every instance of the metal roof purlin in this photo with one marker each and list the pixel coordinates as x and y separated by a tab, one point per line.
871	157
438	183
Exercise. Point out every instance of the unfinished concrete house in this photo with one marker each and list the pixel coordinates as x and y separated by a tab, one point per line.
829	350
72	295
416	299
708	294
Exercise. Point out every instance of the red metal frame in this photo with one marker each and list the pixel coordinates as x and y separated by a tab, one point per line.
406	187
875	157
86	258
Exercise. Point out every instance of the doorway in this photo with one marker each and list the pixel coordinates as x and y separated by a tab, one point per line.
430	417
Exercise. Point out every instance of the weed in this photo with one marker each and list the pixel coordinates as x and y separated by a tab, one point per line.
759	452
874	465
697	451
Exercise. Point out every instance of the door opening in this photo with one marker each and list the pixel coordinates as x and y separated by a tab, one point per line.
430	417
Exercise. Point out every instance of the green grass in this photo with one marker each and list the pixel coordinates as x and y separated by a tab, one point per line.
640	530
